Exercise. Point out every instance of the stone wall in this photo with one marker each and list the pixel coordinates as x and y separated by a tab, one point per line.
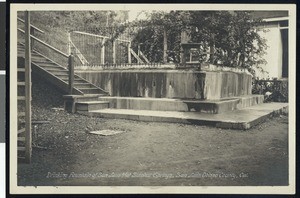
171	83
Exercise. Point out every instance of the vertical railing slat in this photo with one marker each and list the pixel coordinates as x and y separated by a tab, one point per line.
103	52
114	52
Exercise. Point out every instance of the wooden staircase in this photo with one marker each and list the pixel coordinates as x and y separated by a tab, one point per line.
23	101
31	61
24	147
57	74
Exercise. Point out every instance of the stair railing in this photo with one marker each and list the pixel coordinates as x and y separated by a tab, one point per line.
69	57
46	44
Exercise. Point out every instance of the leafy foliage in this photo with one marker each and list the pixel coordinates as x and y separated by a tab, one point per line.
234	35
273	90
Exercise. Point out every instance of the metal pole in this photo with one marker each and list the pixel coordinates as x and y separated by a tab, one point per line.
28	138
71	73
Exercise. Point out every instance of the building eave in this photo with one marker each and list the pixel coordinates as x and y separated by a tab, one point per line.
276	19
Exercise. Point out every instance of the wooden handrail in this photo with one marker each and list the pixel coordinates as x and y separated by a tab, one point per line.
99	36
39	30
89	34
45	44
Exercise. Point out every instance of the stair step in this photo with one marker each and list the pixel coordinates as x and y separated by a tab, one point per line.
54	68
60	72
21	83
23	149
36	59
82	98
238	119
61	75
45	63
90	90
21	130
21	97
91	105
165	104
83	85
21	139
21	114
66	79
33	56
21	69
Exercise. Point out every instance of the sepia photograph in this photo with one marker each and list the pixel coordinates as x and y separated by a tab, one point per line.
152	98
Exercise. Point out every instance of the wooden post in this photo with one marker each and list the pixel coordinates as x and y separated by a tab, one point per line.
212	44
165	56
212	51
69	43
114	52
129	53
139	49
183	55
71	73
28	140
103	52
184	38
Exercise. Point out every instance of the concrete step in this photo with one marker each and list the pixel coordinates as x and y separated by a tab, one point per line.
70	101
165	104
237	119
83	98
91	105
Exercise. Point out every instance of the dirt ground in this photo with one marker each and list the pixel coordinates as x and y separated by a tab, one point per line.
150	154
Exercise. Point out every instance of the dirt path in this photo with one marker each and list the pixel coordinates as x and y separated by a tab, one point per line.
156	154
